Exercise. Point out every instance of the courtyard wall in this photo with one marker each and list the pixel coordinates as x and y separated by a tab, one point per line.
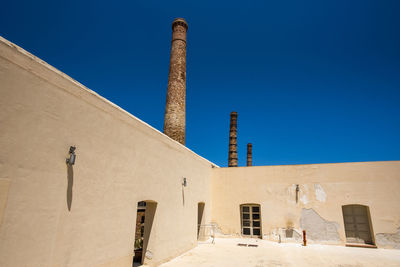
323	190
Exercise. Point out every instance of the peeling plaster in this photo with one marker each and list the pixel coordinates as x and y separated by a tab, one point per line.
320	194
317	228
388	240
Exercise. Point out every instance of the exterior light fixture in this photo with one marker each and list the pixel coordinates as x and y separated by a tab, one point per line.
184	183
72	156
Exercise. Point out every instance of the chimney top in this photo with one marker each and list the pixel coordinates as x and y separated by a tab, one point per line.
180	21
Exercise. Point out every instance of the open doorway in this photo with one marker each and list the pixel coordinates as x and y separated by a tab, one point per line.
250	217
144	222
357	224
200	221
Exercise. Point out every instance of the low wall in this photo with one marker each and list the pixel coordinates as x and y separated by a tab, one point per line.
323	190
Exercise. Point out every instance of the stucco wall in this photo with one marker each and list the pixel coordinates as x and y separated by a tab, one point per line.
324	188
120	161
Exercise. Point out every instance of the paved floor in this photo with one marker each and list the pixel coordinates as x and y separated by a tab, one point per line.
226	252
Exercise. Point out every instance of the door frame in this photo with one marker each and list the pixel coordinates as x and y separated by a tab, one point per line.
250	205
368	214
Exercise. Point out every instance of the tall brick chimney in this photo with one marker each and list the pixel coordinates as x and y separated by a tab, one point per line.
233	159
174	121
249	154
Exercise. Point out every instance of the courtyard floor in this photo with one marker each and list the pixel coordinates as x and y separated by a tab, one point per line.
226	252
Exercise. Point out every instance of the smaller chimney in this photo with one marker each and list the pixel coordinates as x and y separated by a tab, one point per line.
233	159
249	154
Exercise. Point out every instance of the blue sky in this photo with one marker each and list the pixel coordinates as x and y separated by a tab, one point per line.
312	81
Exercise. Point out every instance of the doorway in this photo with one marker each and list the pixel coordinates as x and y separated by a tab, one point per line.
250	217
144	222
357	224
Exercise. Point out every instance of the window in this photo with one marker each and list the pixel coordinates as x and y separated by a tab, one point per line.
250	220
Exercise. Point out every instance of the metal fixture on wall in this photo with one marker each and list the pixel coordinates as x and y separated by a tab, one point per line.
72	156
184	184
297	193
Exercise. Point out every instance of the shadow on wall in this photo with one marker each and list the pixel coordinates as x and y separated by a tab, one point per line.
70	177
151	207
183	195
200	220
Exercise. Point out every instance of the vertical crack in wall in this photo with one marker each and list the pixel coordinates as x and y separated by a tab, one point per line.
318	229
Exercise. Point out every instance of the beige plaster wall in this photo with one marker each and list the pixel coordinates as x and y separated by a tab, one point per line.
120	161
323	187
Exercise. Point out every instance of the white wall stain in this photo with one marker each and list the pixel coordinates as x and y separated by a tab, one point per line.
320	194
304	199
291	190
291	193
305	188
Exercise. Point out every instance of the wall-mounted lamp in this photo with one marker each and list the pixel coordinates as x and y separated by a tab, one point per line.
72	156
184	183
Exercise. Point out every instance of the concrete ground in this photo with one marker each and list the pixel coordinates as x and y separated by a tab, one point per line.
226	252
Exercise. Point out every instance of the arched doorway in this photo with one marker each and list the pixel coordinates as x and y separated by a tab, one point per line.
357	224
144	222
250	218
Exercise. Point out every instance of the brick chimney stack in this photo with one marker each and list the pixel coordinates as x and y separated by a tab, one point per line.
175	117
233	159
249	154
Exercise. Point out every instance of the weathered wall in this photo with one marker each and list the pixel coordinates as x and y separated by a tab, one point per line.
324	188
120	161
